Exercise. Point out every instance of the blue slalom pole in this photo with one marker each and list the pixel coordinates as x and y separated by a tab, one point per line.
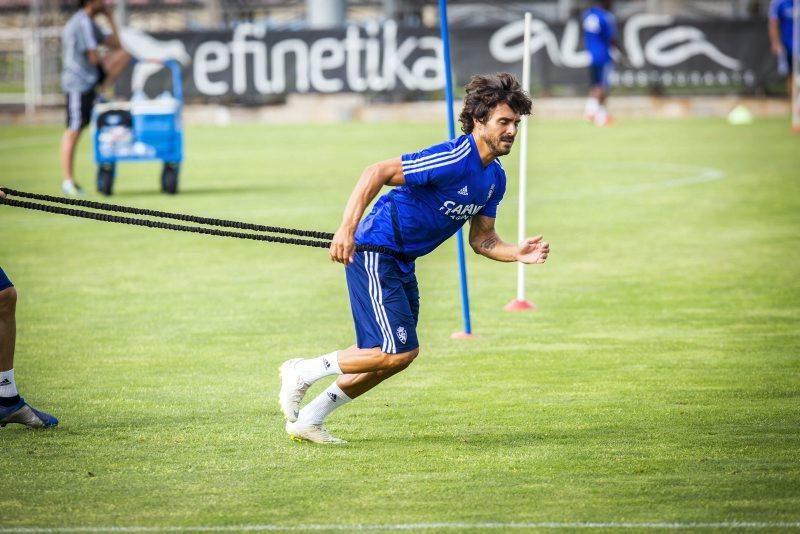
451	132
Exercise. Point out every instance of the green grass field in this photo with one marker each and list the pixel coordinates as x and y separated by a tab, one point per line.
658	384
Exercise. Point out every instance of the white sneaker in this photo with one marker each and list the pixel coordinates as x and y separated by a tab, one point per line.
71	189
293	389
313	433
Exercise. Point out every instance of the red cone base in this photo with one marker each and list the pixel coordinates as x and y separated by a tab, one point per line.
463	335
517	305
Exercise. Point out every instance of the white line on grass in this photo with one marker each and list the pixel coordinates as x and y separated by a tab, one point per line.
420	526
687	175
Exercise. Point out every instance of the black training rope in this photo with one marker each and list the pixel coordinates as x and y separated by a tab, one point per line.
180	227
166	215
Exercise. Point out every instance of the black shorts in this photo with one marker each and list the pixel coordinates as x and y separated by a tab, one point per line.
79	105
101	76
79	109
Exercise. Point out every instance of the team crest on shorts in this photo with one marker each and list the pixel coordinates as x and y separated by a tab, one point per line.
402	335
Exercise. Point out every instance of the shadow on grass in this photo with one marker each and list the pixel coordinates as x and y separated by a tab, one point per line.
192	191
506	438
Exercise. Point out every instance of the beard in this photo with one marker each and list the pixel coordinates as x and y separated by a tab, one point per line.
500	146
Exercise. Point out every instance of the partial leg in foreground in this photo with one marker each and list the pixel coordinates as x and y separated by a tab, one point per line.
13	408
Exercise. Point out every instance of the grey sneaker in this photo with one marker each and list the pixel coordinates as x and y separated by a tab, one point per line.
313	433
293	389
24	414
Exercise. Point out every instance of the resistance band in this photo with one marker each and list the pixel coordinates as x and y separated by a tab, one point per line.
319	239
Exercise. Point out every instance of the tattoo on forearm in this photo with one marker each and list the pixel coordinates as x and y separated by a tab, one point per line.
489	244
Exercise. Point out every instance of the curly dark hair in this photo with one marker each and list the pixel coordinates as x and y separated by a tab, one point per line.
485	92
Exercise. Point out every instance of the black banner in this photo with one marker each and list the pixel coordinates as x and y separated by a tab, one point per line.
252	65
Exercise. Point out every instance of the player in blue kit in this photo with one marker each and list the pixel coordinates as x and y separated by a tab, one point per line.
435	192
781	36
599	35
13	408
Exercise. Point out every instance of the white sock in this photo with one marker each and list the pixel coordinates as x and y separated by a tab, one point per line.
315	412
601	116
592	104
312	369
8	388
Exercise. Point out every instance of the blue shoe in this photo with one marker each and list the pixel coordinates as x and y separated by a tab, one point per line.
24	414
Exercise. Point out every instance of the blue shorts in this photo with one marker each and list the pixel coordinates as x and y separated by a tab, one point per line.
5	283
599	74
384	298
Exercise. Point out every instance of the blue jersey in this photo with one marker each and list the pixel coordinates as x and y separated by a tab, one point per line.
598	32
446	185
781	10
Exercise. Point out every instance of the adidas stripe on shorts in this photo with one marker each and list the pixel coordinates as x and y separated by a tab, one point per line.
384	299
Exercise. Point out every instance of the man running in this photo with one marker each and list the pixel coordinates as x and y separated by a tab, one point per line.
436	191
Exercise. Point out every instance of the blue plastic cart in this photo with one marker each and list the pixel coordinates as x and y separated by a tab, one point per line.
142	129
